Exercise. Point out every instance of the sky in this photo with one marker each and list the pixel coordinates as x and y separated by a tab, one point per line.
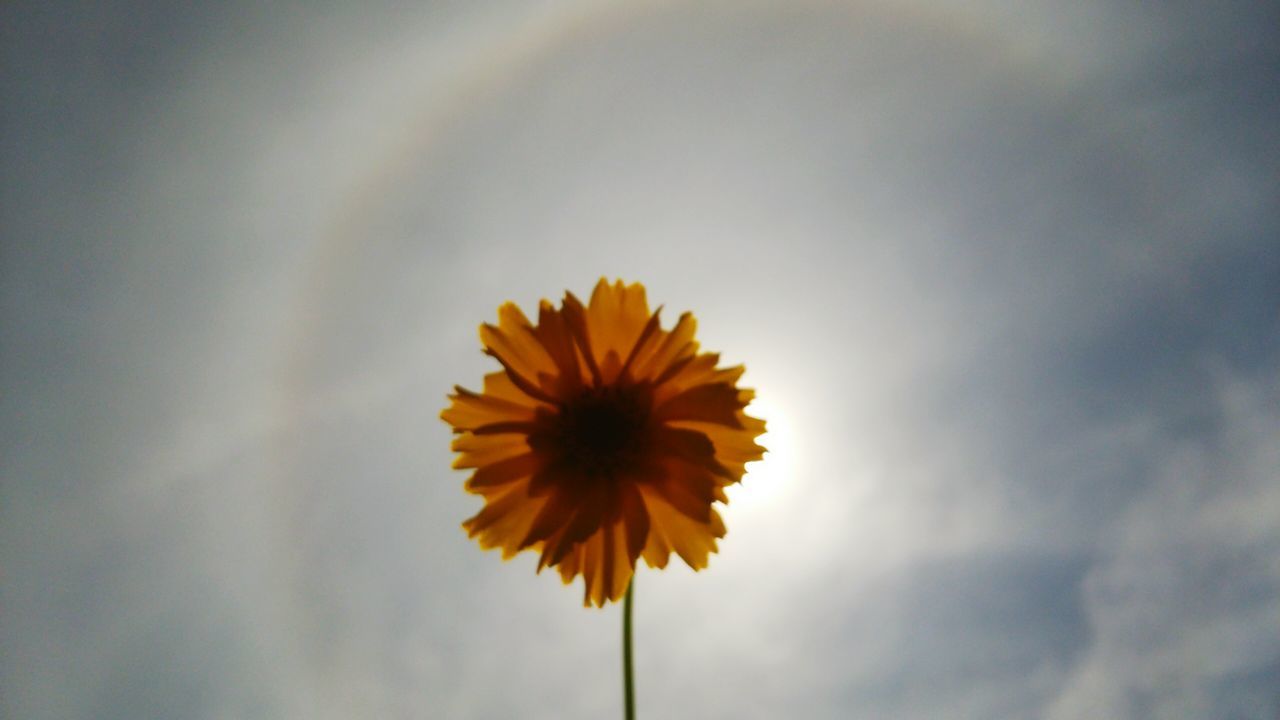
1005	276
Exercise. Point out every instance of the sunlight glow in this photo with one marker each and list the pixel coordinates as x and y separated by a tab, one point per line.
770	480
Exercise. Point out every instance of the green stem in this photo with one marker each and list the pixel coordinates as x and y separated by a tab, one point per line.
628	681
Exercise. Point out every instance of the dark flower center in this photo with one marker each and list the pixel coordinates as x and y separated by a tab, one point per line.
603	429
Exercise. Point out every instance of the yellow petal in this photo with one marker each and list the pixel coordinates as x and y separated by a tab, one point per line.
504	520
615	318
664	349
717	403
514	341
680	376
499	385
478	450
691	540
687	488
690	446
554	334
503	472
733	448
469	410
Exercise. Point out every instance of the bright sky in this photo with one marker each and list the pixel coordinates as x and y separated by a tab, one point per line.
1004	276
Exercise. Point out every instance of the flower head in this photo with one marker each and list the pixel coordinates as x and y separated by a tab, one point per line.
604	438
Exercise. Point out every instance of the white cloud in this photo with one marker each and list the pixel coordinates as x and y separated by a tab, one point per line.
1182	603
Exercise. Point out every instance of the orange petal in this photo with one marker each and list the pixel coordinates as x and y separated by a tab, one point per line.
550	477
554	334
615	318
691	540
652	329
691	446
503	472
623	566
606	568
515	343
636	519
699	370
499	385
592	555
571	564
611	367
588	517
733	448
603	562
717	403
575	318
504	520
729	375
656	551
554	515
687	488
469	410
664	349
526	384
609	566
477	450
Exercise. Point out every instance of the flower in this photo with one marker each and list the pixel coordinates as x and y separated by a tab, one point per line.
603	439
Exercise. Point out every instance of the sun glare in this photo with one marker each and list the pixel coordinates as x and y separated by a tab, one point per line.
770	480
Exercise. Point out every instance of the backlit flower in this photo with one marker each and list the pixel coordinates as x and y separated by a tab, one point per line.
604	438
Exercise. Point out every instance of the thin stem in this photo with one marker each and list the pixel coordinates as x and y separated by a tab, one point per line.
628	681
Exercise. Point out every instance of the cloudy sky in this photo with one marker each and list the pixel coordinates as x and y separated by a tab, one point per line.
1006	276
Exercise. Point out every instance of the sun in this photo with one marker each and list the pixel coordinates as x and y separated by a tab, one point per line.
769	481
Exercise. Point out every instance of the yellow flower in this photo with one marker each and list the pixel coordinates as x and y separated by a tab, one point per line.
603	439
